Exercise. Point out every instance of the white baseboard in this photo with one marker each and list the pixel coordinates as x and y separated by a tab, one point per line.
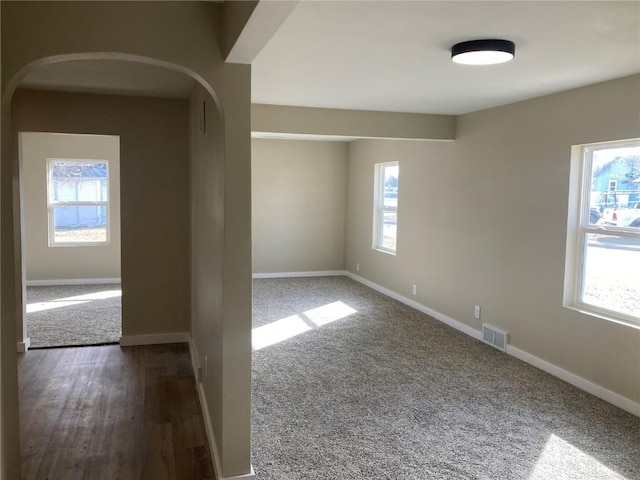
24	346
472	332
154	339
247	476
217	466
72	281
322	273
575	380
582	383
195	358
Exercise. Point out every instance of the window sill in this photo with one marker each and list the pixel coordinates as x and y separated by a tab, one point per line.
79	244
388	252
602	316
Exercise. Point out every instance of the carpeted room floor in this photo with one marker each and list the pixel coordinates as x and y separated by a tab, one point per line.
73	315
349	384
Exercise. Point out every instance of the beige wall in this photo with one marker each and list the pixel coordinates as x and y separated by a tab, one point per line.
9	433
43	262
207	252
3	466
351	123
183	36
299	204
482	221
220	295
154	193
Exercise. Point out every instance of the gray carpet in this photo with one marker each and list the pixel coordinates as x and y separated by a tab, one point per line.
390	393
73	315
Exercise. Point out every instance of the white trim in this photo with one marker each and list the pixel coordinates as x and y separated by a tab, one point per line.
379	208
73	281
217	466
322	273
582	383
579	228
23	347
247	476
575	380
195	358
472	332
154	339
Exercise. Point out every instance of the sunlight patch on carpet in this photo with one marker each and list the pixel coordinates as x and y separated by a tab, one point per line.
560	460
292	326
278	331
329	313
75	300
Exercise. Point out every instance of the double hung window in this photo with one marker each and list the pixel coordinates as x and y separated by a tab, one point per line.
385	211
603	246
78	202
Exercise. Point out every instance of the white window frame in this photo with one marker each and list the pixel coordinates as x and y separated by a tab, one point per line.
379	208
51	204
614	184
578	228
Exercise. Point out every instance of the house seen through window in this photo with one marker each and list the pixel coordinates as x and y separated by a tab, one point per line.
604	243
78	202
385	212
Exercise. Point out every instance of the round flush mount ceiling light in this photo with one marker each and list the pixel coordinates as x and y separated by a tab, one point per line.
483	52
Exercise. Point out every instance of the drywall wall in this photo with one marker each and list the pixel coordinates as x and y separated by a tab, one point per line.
299	191
3	432
184	37
207	252
483	221
351	123
9	428
154	195
44	262
220	265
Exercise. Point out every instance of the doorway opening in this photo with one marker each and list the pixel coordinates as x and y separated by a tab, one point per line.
70	195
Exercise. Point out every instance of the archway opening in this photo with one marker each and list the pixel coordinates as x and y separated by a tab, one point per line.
154	127
137	100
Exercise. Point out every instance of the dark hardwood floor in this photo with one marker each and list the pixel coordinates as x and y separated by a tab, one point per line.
94	413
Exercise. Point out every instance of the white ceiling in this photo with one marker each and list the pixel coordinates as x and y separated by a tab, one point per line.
395	55
115	77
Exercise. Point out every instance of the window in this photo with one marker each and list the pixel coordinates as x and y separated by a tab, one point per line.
613	185
385	211
78	202
603	240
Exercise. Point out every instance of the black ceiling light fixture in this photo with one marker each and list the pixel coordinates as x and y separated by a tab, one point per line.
483	52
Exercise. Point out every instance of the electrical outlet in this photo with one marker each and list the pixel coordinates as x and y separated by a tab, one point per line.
206	366
477	312
357	266
415	289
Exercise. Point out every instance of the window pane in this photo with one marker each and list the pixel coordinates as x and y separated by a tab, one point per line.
391	186
612	273
80	223
615	187
78	181
389	230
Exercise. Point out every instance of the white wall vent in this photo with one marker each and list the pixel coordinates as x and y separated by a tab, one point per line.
494	337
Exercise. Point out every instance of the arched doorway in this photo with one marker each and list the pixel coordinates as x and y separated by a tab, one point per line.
184	37
154	153
155	179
